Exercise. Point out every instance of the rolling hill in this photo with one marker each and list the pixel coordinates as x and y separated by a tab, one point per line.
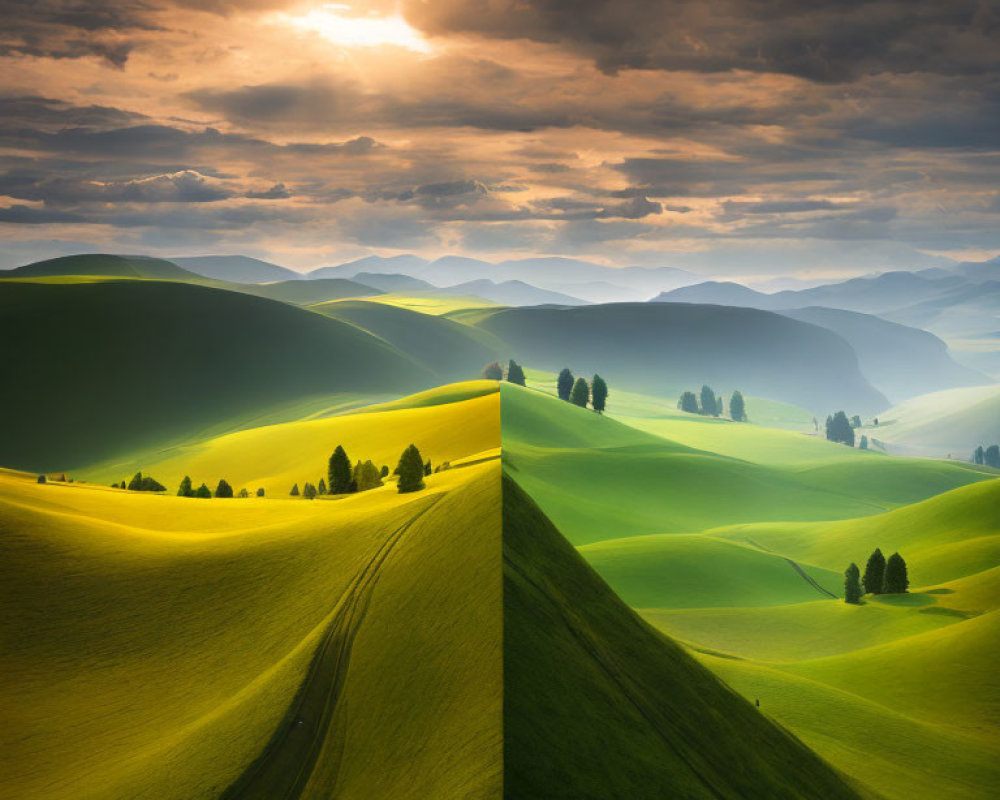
666	348
319	290
163	647
100	369
236	269
103	264
512	293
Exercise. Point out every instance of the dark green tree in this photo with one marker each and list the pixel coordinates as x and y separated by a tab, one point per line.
384	472
260	492
410	470
150	484
185	489
874	573
339	472
580	395
838	429
864	442
708	406
689	403
855	421
896	579
992	456
493	371
564	384
135	485
852	588
427	468
308	491
514	373
244	492
737	407
367	476
980	455
295	490
223	489
599	394
321	488
43	479
203	492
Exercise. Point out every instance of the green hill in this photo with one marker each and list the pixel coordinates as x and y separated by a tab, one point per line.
95	370
664	348
598	705
449	350
307	292
103	264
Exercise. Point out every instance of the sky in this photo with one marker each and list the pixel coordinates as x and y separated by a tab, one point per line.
735	138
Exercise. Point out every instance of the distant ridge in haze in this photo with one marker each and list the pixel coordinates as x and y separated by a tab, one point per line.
236	269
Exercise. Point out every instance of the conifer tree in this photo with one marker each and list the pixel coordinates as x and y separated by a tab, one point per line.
223	489
135	485
308	491
864	442
689	403
979	456
852	588
384	472
295	490
43	479
260	492
564	384
580	395
244	492
150	484
599	394
185	489
321	488
874	573
992	456
493	371
410	470
367	476
514	373
737	407
339	472
203	491
896	579
708	406
427	468
838	429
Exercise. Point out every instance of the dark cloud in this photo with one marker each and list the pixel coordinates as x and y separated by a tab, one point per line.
181	187
830	41
635	208
276	192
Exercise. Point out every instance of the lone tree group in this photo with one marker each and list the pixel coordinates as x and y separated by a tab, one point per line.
342	478
989	456
712	405
578	392
881	577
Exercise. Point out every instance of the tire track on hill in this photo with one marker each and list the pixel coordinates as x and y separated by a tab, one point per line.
283	769
802	573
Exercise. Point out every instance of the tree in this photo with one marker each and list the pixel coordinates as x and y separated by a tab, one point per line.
992	456
244	492
855	421
223	489
384	472
564	384
896	579
493	371
852	588
720	408
295	490
260	492
321	487
580	395
135	485
308	491
185	489
43	479
689	403
874	573
864	442
514	373
203	492
339	472
708	406
410	470
838	429
980	455
150	484
599	394
737	407
366	476
427	468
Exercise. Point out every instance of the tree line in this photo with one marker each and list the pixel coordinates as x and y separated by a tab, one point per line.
881	577
989	456
569	388
712	405
342	478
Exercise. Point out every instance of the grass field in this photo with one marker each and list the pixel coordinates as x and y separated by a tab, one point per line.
901	692
163	647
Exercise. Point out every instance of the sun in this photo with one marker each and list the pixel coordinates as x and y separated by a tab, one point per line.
332	23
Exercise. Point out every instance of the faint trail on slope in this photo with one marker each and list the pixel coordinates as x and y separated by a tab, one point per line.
283	769
809	579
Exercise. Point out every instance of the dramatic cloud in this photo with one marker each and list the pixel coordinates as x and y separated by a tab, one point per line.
731	136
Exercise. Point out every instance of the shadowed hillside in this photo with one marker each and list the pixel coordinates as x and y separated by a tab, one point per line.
660	347
103	264
97	369
599	705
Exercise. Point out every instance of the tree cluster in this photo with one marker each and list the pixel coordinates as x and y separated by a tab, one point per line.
881	576
708	404
578	392
222	489
143	483
839	429
988	456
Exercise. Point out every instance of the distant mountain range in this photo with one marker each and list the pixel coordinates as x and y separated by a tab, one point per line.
237	269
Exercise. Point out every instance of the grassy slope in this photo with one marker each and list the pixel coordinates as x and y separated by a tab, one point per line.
105	368
100	703
899	692
106	265
572	461
304	292
597	705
